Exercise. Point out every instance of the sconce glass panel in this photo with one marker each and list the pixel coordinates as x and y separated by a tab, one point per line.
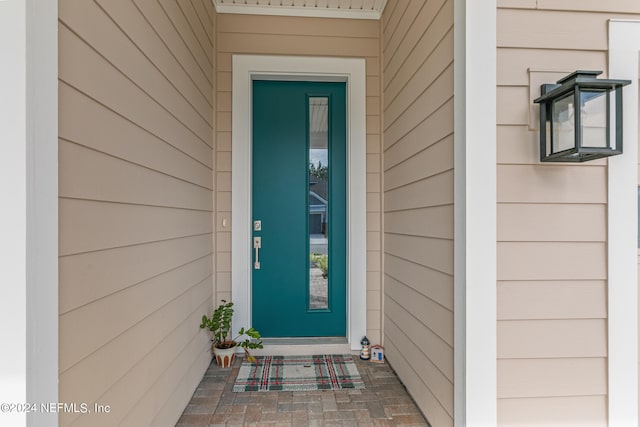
615	119
594	119
564	132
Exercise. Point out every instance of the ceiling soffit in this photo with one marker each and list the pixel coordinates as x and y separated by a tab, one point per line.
352	9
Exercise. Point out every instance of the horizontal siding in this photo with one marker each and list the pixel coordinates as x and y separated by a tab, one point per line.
552	184
88	225
136	206
100	32
432	129
92	175
152	36
419	41
434	221
403	351
522	300
621	6
418	200
98	128
430	252
403	17
87	330
281	35
553	411
550	338
188	31
83	68
412	196
428	312
513	64
423	78
552	224
119	378
549	29
442	361
559	223
176	44
109	271
433	160
415	112
439	289
552	261
298	45
557	377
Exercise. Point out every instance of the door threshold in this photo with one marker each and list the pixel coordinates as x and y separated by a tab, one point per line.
304	346
304	340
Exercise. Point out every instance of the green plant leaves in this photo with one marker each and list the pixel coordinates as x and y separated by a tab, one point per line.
220	325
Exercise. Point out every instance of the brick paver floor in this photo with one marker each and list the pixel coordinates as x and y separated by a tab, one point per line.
384	402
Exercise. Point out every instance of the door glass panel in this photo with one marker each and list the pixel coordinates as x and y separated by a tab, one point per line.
318	203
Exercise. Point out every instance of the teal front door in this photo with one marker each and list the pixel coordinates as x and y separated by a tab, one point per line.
299	209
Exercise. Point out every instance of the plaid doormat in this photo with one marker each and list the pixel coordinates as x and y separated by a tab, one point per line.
298	373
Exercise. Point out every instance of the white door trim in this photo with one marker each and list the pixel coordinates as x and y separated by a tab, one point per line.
475	259
351	70
624	49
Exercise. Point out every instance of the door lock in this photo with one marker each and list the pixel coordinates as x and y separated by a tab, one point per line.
257	244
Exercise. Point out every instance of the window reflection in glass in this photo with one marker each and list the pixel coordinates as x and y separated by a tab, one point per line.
318	203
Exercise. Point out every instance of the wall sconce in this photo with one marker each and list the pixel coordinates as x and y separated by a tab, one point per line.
580	118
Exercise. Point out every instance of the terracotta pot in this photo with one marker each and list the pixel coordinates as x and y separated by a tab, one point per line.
225	356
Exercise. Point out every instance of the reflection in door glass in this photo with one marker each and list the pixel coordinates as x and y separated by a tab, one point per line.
318	203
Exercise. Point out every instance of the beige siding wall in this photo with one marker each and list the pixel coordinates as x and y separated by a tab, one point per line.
276	35
418	200
552	290
136	201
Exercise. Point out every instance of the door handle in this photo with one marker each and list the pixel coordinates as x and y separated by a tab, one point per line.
257	244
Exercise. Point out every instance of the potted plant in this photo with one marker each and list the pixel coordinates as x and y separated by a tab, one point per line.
224	347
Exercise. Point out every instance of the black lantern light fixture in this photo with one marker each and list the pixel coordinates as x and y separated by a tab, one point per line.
580	118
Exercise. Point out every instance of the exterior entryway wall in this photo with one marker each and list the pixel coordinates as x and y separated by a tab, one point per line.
136	104
136	260
418	83
553	293
297	36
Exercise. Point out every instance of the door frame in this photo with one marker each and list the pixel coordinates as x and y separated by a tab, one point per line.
247	68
